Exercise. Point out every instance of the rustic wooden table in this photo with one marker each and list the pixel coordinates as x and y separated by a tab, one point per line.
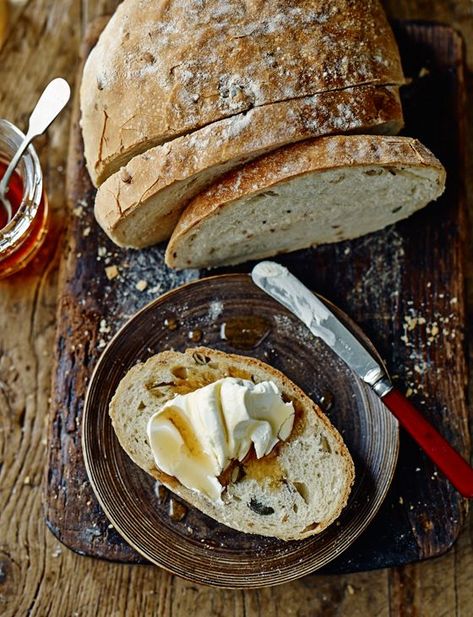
37	575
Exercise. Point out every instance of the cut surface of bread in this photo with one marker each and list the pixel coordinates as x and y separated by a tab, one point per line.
164	68
292	493
325	190
140	205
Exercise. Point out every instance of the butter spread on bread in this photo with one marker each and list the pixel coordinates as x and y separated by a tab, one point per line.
195	436
295	491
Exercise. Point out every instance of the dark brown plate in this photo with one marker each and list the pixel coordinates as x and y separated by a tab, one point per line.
196	547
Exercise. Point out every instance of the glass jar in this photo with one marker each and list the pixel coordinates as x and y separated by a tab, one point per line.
21	238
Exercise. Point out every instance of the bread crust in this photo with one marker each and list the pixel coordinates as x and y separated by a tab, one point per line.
317	155
310	415
142	185
166	68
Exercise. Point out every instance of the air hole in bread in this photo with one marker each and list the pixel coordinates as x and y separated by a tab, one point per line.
295	508
179	371
303	491
266	194
374	172
396	209
311	527
337	179
161	384
155	388
149	58
141	406
324	445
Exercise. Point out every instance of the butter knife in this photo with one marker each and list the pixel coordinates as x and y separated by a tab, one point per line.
281	285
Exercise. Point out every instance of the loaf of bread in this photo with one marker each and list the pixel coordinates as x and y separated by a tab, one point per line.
166	68
294	492
140	205
320	191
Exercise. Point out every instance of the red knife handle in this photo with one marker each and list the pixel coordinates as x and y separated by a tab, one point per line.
447	459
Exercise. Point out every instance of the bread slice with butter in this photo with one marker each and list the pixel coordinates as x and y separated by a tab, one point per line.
295	491
319	191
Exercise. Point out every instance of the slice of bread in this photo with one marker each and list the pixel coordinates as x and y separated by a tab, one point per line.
140	205
292	493
162	69
325	190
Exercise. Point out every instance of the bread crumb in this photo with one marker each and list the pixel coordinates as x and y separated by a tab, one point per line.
86	232
78	211
111	272
351	590
104	329
101	251
56	552
27	480
141	285
424	72
401	500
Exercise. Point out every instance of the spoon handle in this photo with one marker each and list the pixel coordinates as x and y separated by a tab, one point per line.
53	100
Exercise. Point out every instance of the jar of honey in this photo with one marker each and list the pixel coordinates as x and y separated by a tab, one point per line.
22	236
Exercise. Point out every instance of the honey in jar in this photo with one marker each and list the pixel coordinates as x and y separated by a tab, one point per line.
22	236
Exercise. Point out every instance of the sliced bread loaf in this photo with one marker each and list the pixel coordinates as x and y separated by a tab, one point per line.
294	492
324	190
164	68
140	205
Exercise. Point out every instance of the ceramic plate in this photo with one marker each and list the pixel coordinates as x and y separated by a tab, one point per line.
230	313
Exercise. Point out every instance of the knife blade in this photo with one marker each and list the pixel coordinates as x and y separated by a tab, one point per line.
284	287
279	283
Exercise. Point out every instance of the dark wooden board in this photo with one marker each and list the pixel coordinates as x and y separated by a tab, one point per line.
404	286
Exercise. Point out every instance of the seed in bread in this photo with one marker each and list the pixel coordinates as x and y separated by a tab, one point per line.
294	492
321	191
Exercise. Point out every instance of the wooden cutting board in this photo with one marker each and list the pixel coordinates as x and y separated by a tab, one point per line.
403	285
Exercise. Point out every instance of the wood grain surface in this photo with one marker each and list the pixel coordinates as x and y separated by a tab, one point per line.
408	273
37	575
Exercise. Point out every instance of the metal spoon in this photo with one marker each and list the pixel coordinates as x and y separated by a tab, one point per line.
53	100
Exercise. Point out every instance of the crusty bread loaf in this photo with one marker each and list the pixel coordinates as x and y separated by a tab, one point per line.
324	190
165	68
140	205
294	492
